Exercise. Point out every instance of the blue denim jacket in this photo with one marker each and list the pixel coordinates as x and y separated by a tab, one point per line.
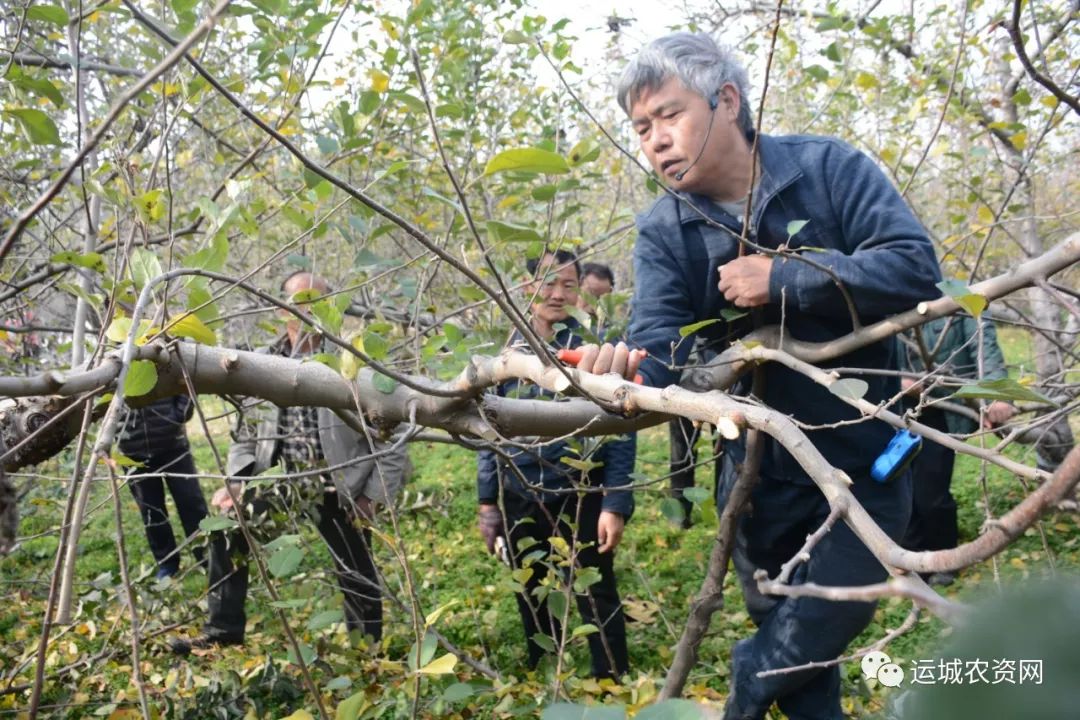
857	225
543	466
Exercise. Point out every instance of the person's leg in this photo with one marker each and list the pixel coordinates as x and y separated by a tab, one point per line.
683	436
529	530
188	496
228	587
600	604
933	524
795	631
149	493
357	575
228	578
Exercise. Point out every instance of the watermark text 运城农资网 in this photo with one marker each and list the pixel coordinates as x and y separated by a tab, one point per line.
953	671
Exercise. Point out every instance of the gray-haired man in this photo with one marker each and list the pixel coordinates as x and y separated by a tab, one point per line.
687	100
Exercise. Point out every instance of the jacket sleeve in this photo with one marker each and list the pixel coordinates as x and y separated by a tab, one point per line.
487	477
618	455
883	256
660	306
241	460
993	360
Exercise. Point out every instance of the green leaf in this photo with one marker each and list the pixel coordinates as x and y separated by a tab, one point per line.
189	326
384	384
506	232
39	86
672	509
849	388
557	604
573	711
49	13
693	328
585	578
36	125
795	226
341	682
330	318
144	267
325	619
308	653
696	495
411	102
1005	389
829	23
141	378
527	160
91	260
375	345
676	709
457	692
544	192
544	642
350	707
214	523
330	361
731	314
212	257
586	629
514	37
285	561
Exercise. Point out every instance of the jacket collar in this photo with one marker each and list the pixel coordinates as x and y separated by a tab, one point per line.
778	171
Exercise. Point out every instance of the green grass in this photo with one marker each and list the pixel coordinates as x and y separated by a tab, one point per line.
660	569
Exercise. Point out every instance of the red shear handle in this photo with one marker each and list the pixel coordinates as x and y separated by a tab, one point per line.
573	357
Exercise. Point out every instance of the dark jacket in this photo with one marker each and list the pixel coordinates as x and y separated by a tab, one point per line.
953	350
543	466
858	225
157	428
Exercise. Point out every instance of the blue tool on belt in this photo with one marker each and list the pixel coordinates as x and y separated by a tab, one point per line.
897	455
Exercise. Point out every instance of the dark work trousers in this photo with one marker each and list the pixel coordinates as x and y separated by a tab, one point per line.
933	523
684	437
599	606
353	565
795	631
149	494
683	457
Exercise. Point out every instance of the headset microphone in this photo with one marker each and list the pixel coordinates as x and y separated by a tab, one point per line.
714	102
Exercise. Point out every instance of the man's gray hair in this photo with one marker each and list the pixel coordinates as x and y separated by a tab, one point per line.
699	63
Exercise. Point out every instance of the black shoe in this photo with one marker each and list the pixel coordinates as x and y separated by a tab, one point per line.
184	646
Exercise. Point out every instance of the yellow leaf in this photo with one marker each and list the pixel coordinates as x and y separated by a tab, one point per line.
189	326
380	81
299	715
118	329
985	215
1019	140
439	666
866	81
1049	101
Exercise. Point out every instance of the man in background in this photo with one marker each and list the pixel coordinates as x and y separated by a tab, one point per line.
155	436
340	502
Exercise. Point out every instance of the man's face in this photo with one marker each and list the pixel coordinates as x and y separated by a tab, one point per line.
593	287
672	123
554	291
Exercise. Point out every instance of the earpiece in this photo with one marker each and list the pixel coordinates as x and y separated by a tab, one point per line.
714	102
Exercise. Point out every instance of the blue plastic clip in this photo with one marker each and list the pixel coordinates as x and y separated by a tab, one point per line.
897	455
